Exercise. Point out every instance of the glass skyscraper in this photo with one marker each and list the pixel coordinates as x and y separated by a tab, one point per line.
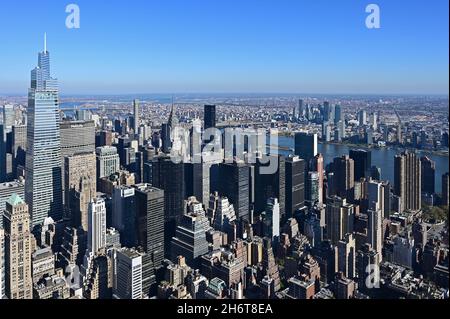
43	188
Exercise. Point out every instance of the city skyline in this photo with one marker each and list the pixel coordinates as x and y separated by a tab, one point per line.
251	200
297	47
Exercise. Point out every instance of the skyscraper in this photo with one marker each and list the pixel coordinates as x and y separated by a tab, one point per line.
338	114
317	166
305	146
295	185
190	239
363	163
136	115
19	147
80	187
43	185
407	180
97	225
150	214
127	274
339	218
9	116
362	117
428	168
108	161
18	249
343	168
77	137
234	183
210	116
312	188
272	219
169	176
347	255
270	185
124	215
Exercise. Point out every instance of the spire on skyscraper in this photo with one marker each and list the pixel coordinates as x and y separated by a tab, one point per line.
45	42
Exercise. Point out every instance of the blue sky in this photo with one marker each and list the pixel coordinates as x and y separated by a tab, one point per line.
174	46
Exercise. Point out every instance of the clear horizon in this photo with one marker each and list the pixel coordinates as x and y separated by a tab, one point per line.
233	47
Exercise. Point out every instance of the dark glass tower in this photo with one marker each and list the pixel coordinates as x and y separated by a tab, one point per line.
210	116
306	146
428	174
234	183
169	176
363	163
295	185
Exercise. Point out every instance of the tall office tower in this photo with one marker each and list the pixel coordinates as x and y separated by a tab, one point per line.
305	146
376	196
136	114
272	219
327	113
375	230
374	122
326	132
445	190
399	133
428	168
195	139
2	261
317	166
169	176
312	188
387	200
201	181
347	255
301	109
407	180
127	274
77	137
339	217
338	114
270	185
97	225
210	116
295	185
190	239
108	161
9	188
362	117
43	187
343	168
366	259
18	249
166	144
363	163
150	214
19	147
80	187
234	183
124	214
83	115
9	116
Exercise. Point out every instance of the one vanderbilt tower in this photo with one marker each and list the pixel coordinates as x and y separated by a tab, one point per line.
43	191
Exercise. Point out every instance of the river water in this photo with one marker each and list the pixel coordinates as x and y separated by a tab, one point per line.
381	157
